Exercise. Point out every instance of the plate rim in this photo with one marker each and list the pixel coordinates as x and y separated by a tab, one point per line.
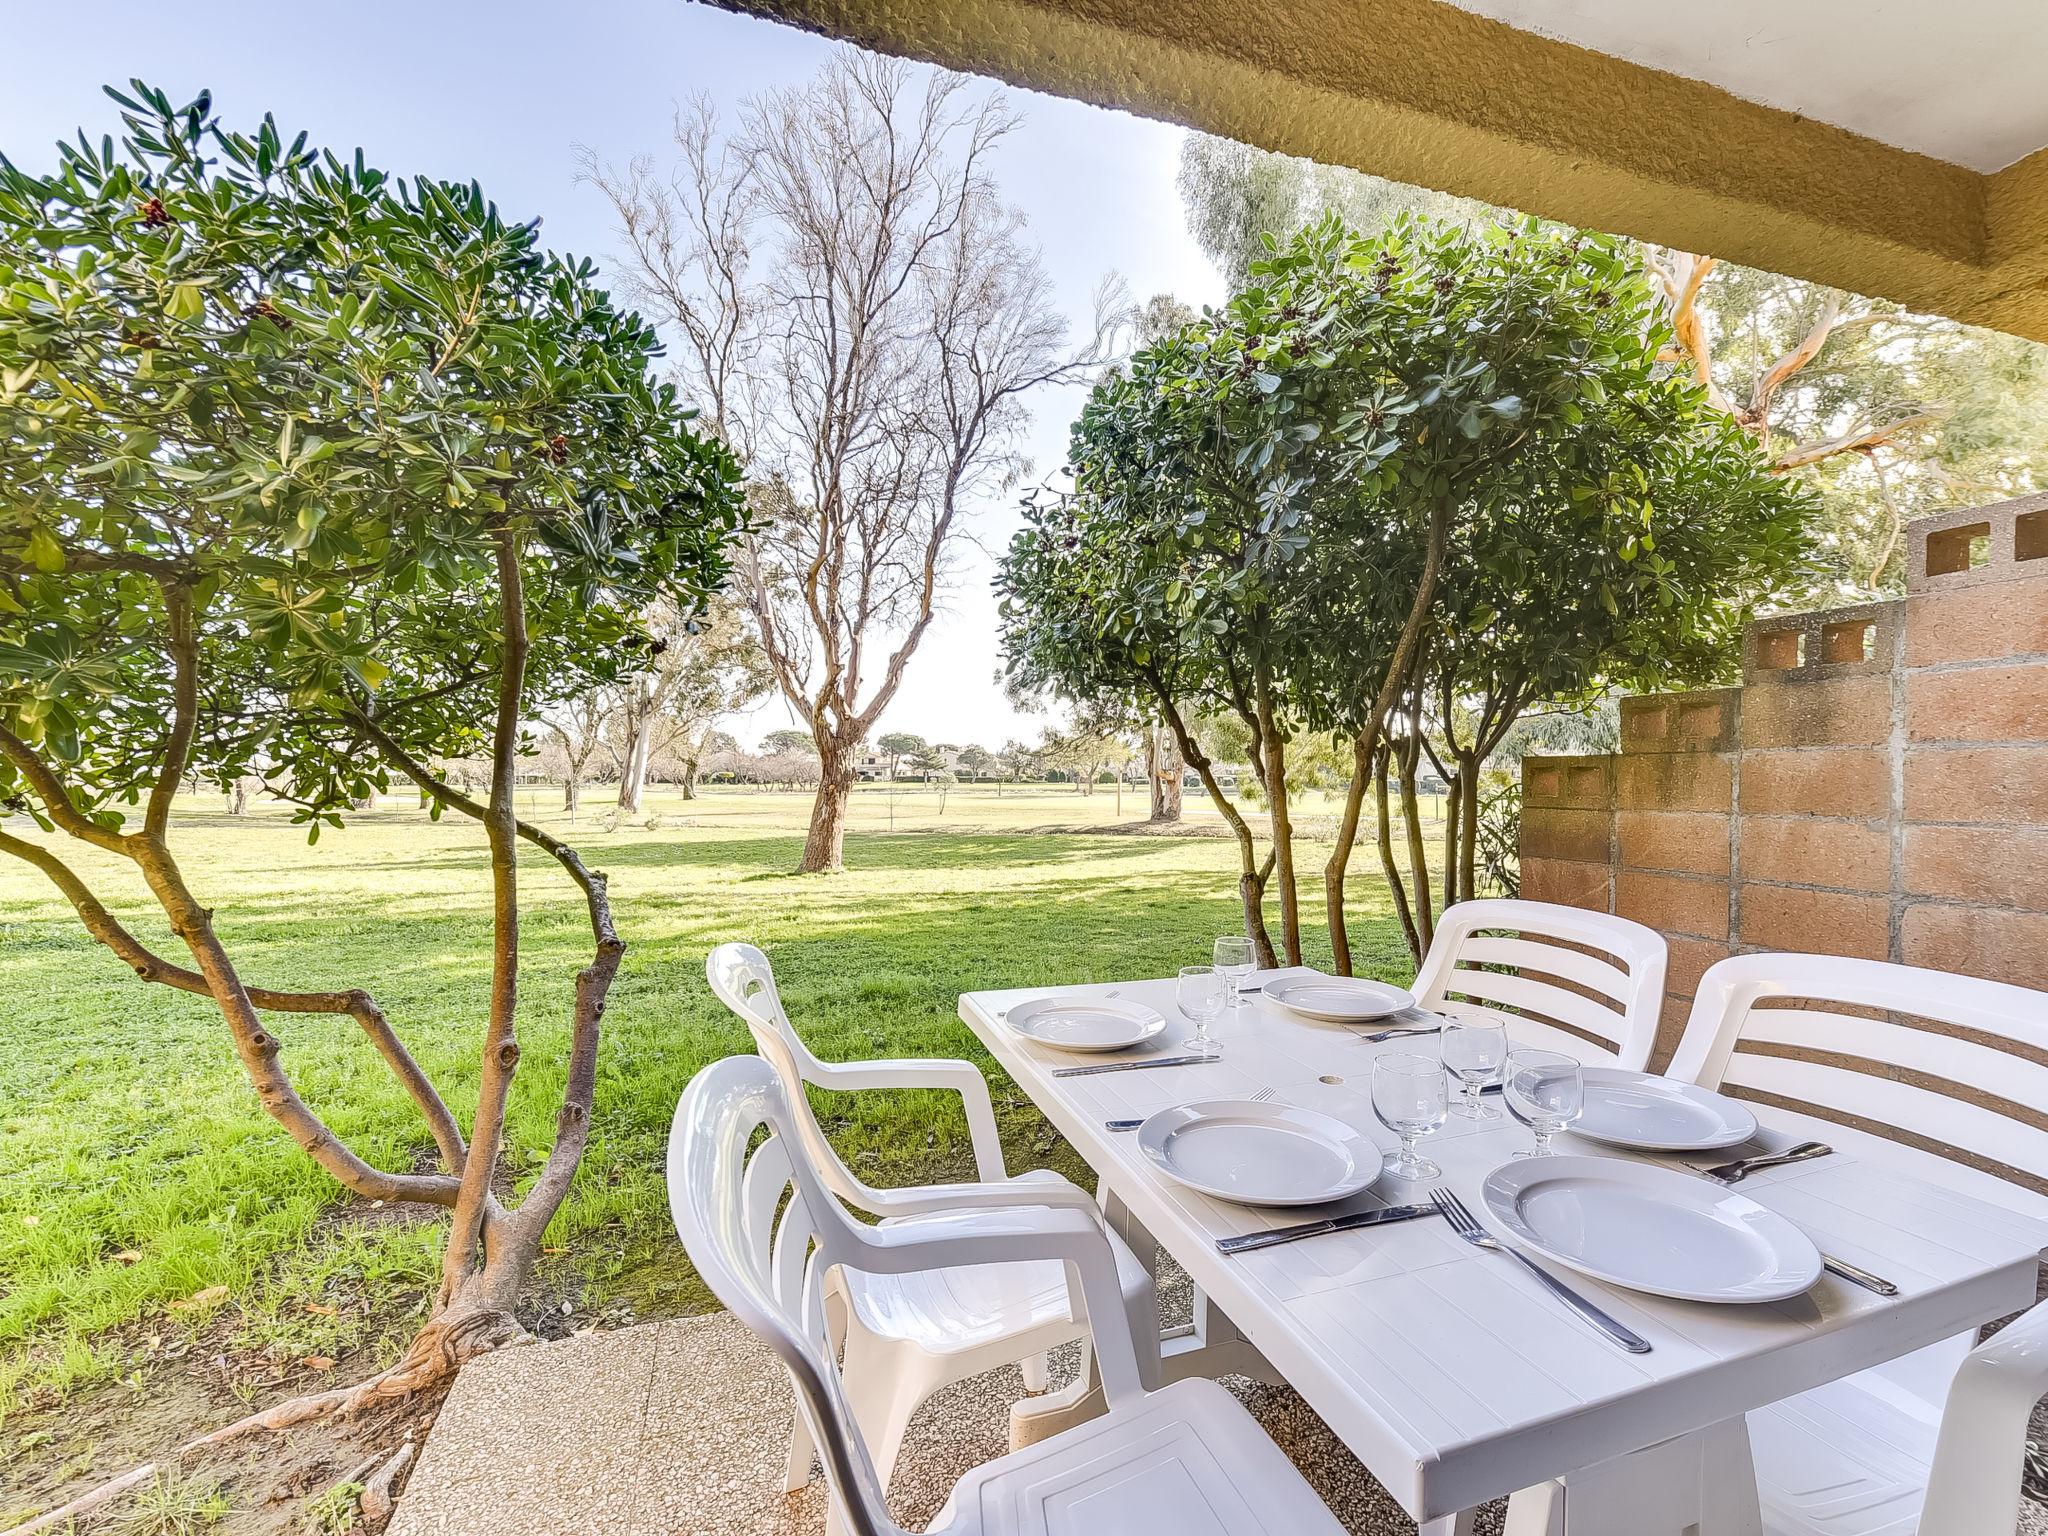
1269	992
1525	1168
1263	1107
1682	1089
1152	1022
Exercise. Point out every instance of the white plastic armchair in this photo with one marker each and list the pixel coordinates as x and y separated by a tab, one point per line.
1512	954
745	983
905	1338
1187	1459
1925	1444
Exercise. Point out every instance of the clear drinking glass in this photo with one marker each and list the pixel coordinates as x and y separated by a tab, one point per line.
1545	1092
1235	959
1201	995
1410	1097
1475	1051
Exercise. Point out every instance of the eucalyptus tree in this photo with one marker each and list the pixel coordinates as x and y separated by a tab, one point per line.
306	468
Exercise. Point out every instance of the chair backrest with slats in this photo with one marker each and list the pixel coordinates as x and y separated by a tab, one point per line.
745	983
1585	983
724	1204
1953	1067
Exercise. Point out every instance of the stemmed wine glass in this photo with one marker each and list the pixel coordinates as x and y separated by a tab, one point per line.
1410	1097
1475	1051
1546	1093
1235	959
1200	994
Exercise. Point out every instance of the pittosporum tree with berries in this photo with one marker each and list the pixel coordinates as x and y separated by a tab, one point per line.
315	474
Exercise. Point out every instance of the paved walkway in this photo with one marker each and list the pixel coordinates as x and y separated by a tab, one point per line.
681	1429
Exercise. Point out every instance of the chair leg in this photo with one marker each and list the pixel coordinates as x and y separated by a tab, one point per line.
885	1382
803	1450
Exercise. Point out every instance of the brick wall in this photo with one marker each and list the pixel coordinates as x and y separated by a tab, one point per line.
1877	786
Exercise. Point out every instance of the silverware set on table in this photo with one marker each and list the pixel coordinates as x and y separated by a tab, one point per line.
1443	1203
1415	1023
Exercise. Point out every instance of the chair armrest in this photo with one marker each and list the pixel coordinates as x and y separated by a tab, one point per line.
961	1077
1021	1236
1048	1192
1973	1488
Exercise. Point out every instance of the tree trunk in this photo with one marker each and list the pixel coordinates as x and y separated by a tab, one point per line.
689	778
1340	856
1251	880
633	767
572	791
1164	765
1468	851
1274	750
1418	853
238	798
1400	667
1387	865
825	846
1454	794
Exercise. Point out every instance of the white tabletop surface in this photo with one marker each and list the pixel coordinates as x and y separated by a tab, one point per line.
1448	1370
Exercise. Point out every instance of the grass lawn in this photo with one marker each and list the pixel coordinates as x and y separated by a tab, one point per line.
137	1172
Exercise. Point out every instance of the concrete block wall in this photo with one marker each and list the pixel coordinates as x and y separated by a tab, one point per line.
1878	785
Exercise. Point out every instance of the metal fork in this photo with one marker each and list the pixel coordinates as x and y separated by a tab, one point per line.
1264	1095
1466	1225
1408	1030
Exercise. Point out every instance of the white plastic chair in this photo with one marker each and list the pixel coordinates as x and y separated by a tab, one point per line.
1187	1460
1881	1453
907	1335
1511	954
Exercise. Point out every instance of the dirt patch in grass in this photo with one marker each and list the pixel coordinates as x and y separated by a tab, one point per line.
264	1485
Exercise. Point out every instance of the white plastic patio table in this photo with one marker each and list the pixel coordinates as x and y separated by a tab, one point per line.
1448	1370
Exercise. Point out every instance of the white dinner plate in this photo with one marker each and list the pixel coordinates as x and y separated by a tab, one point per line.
1659	1114
1338	999
1257	1152
1651	1229
1105	1025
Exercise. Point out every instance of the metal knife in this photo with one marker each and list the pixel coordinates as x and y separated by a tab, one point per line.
1733	1173
1132	1066
1351	1223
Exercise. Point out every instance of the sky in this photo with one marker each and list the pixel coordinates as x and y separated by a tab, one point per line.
505	93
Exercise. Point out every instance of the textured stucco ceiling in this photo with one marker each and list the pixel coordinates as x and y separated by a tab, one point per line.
1960	80
1429	93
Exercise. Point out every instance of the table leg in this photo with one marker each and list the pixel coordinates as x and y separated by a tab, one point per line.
1701	1484
1464	1523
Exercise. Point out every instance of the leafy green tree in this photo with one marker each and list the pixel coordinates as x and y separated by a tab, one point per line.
1264	509
787	740
977	760
1886	414
1630	566
310	472
1242	202
897	745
